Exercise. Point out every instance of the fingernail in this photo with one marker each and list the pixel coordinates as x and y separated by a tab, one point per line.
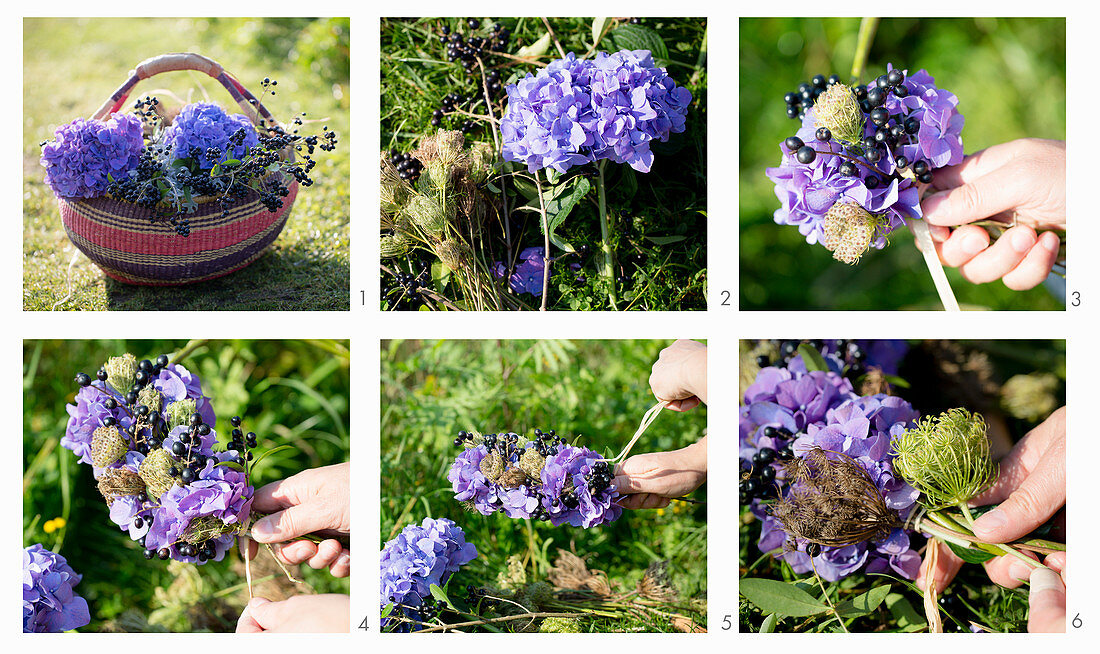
973	244
1045	579
1022	240
936	204
263	528
1051	242
1019	570
257	602
991	522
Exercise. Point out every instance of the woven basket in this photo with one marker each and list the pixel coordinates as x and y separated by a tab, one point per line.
121	238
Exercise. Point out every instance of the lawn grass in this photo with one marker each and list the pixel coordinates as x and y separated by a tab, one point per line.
1010	78
305	403
70	66
658	229
594	391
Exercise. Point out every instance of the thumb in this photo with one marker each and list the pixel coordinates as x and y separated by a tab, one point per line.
1032	503
289	523
986	196
1047	600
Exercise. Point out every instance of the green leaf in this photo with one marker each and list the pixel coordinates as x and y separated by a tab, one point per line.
557	209
863	604
536	49
768	625
599	24
904	614
968	554
526	188
440	594
772	596
388	610
665	240
270	452
230	464
897	381
216	170
812	358
629	185
637	37
231	163
562	243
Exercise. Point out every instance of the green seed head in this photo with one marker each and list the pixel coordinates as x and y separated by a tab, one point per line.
454	254
393	246
1030	397
151	398
108	446
838	110
849	230
946	458
120	372
481	158
179	412
560	626
206	527
427	214
531	463
154	472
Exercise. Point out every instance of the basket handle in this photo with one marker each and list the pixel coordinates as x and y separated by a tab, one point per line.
175	61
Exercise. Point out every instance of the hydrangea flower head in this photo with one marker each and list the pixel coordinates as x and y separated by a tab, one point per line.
577	111
86	154
939	140
203	125
419	557
527	276
50	603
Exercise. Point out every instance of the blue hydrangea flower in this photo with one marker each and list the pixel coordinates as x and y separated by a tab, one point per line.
567	470
50	603
577	111
527	276
419	557
85	152
939	140
203	125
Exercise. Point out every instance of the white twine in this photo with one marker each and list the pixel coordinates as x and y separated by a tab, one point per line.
647	420
935	267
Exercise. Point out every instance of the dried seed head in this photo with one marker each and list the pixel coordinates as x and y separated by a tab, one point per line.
832	502
849	230
492	466
151	397
120	482
531	463
480	164
108	446
179	412
838	110
1030	397
656	584
120	372
393	246
206	527
571	573
154	472
513	478
453	253
946	458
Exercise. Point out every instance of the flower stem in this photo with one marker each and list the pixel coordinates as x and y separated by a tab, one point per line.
545	243
607	267
932	260
825	596
867	28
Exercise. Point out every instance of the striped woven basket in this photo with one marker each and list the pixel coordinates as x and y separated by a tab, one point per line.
121	238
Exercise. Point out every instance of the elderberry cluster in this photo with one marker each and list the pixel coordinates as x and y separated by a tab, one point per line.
402	290
408	166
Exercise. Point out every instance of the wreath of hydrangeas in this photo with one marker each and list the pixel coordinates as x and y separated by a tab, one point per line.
146	429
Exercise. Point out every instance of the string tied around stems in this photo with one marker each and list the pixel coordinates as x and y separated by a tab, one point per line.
647	420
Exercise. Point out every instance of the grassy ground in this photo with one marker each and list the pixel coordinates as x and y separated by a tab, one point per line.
659	218
973	381
1010	77
594	390
307	269
305	391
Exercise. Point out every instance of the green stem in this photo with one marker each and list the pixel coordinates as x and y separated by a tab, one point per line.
545	243
825	596
993	548
607	266
867	28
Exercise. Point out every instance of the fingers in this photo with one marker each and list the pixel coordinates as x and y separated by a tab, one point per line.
972	167
326	554
1047	599
947	566
290	523
246	624
341	567
683	405
1009	571
1001	258
962	245
1036	265
296	552
276	495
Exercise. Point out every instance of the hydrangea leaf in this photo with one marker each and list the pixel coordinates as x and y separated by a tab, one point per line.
970	555
780	598
665	240
637	37
863	604
557	210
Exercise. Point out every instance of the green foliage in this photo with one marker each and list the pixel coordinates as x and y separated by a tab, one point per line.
1010	77
249	378
648	210
591	391
308	268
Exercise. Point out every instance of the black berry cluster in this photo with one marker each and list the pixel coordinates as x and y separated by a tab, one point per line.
147	430
402	290
758	473
850	352
798	102
408	167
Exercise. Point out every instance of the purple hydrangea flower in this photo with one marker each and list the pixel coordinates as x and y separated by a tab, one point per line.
203	125
807	191
577	111
527	276
50	603
568	469
939	140
85	152
419	557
